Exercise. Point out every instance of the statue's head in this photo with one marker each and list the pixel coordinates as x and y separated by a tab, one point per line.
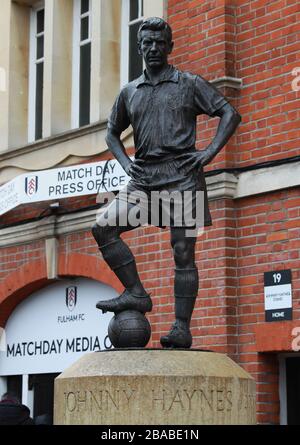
155	41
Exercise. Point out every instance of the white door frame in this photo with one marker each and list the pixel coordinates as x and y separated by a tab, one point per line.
3	386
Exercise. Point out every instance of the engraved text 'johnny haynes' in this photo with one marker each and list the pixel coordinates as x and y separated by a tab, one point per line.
217	399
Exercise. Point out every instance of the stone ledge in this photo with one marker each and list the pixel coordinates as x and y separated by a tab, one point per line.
69	148
49	227
221	186
229	82
266	180
52	140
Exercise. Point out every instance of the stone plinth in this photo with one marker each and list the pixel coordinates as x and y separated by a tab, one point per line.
154	387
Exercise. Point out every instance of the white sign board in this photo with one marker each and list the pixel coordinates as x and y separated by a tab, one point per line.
60	183
53	327
278	295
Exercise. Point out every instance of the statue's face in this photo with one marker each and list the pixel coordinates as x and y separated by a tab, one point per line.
155	48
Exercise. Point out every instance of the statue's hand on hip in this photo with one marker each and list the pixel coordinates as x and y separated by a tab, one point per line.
196	160
134	171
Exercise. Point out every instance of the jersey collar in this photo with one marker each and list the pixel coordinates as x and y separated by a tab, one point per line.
170	75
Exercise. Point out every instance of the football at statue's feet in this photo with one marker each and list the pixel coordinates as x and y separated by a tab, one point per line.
129	329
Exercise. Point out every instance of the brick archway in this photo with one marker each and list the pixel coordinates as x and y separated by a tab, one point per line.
33	276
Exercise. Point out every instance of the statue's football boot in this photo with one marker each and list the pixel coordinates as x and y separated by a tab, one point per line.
126	301
179	337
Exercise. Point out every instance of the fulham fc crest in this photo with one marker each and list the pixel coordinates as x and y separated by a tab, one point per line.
31	185
71	297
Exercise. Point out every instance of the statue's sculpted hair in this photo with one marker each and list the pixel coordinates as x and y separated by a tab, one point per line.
155	24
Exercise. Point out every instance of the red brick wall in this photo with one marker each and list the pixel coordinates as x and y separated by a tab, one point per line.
257	41
205	44
268	238
267	50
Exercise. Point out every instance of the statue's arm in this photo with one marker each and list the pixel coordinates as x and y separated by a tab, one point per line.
115	145
229	122
208	100
118	121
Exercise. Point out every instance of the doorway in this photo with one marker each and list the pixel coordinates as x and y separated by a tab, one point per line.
293	390
43	390
289	388
14	385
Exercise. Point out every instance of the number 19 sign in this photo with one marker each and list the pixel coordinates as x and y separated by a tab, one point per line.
278	295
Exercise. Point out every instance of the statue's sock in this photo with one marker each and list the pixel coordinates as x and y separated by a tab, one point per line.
121	260
186	290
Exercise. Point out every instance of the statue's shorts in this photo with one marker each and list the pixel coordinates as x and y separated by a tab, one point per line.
166	195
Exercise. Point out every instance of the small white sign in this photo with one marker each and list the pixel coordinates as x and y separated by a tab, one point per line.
278	297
